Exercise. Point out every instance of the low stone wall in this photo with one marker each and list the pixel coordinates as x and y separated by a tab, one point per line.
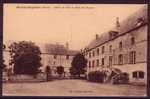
27	78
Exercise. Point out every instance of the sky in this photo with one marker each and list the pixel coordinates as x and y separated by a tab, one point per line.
59	23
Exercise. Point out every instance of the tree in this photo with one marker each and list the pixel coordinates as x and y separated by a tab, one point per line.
48	73
3	61
60	70
73	71
4	46
78	64
25	56
3	65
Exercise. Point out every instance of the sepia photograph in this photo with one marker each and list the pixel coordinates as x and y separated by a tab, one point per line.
75	50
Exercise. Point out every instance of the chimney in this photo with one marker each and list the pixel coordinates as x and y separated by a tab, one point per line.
97	36
81	50
117	22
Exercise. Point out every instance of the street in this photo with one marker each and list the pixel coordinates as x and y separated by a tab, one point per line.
71	87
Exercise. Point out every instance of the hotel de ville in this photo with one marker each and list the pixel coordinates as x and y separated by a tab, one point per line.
123	47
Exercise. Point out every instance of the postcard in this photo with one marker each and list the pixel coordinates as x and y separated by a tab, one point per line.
75	49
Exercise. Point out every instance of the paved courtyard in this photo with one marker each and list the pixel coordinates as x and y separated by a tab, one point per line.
71	87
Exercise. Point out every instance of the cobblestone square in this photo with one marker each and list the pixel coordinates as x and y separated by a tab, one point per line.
71	88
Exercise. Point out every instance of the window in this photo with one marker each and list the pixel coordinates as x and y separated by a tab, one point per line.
55	56
120	59
132	57
140	21
110	48
110	60
97	62
126	58
112	34
134	74
67	56
141	74
138	74
89	64
102	61
132	41
97	51
93	53
93	63
86	54
89	54
54	63
103	49
120	45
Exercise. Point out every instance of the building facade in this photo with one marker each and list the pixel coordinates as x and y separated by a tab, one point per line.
55	55
123	47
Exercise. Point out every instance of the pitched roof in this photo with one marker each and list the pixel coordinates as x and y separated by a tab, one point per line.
72	52
57	49
128	24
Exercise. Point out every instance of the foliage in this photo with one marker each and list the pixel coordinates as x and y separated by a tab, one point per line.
96	76
48	73
60	70
48	69
25	56
112	75
73	71
78	64
121	78
3	65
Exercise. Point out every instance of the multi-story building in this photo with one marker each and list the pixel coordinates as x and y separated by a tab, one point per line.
55	55
123	47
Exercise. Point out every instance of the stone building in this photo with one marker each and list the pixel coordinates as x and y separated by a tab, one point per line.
124	47
54	55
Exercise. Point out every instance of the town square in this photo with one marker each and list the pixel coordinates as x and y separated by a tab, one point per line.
71	87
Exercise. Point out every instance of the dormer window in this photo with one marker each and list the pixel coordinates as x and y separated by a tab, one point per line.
115	33
140	21
112	34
